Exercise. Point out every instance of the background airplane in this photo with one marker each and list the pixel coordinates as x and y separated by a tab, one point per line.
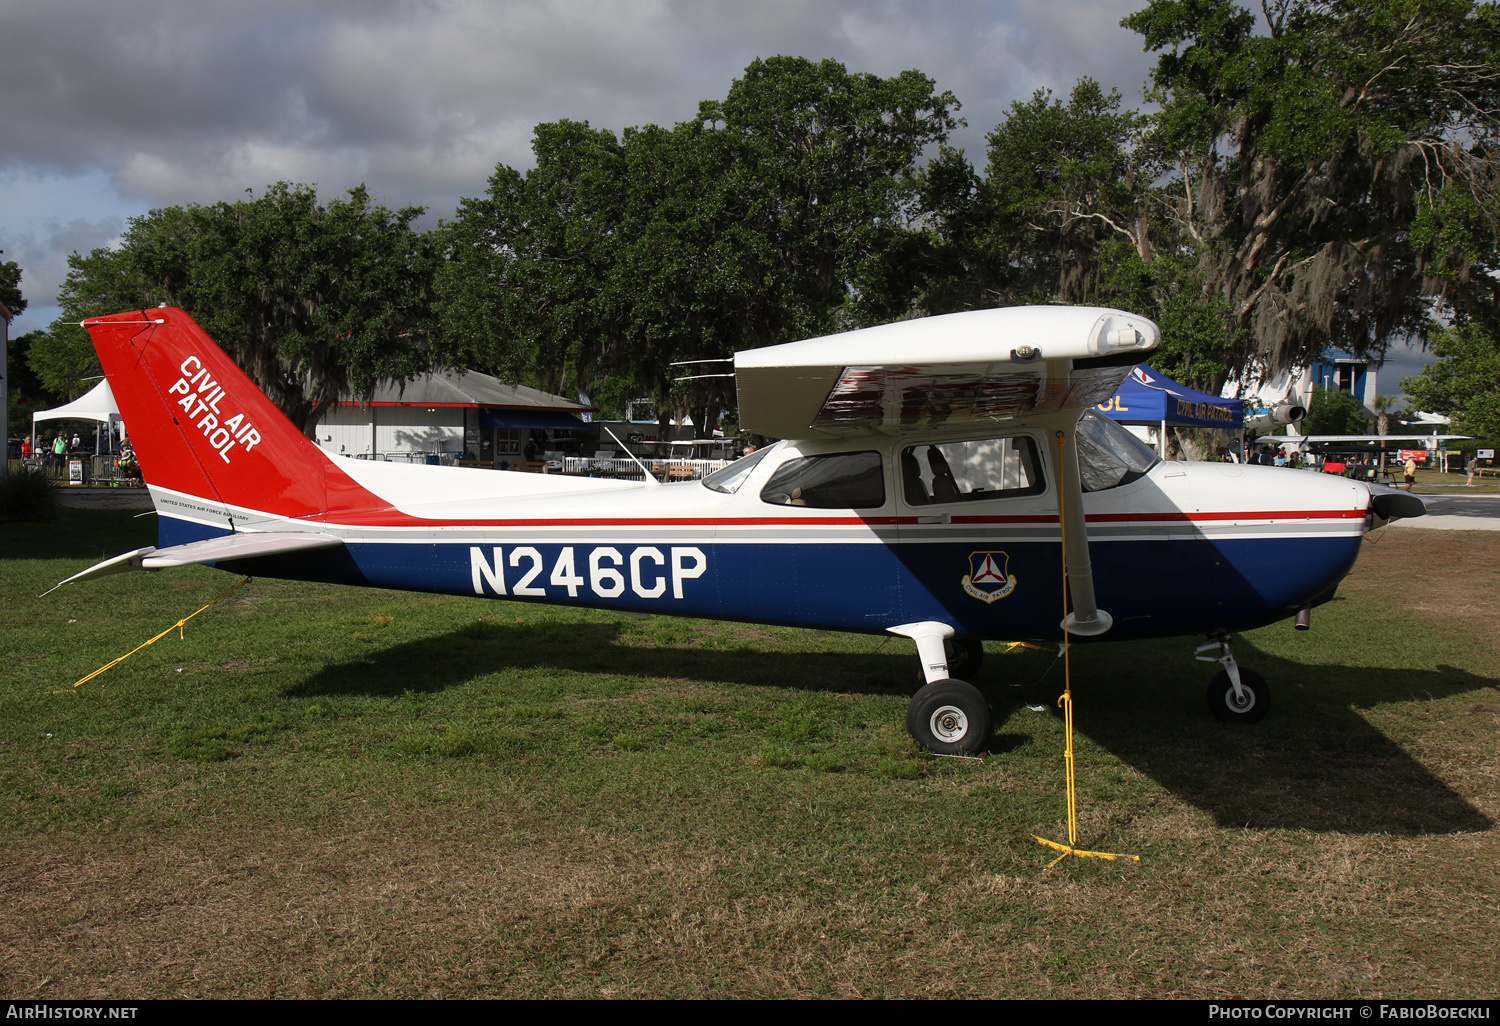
930	474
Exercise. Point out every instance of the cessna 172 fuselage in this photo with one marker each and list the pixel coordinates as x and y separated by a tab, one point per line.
933	470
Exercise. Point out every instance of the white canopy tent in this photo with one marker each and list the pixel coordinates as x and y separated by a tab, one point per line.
97	405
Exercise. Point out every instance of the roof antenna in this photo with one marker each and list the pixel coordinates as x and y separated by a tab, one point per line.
651	481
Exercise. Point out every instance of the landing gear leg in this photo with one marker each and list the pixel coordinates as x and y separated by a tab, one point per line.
1236	692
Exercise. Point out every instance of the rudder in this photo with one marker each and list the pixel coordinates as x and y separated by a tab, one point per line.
201	427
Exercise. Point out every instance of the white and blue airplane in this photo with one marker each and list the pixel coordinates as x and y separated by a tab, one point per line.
931	476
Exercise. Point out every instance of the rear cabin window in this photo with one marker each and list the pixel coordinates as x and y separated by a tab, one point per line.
986	468
842	480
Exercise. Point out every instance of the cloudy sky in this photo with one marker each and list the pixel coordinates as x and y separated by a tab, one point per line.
111	109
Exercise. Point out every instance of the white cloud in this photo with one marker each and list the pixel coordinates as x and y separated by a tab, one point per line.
172	101
46	217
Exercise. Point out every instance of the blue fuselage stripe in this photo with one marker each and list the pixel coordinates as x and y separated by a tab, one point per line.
1005	589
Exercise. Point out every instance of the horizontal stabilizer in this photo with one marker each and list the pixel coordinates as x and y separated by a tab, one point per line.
230	547
239	546
115	565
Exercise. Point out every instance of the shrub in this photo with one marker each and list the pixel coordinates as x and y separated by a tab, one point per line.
27	494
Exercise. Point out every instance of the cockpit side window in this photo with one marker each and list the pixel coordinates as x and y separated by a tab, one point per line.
986	468
1108	455
840	480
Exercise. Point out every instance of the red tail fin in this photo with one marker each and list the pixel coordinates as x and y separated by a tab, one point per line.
199	425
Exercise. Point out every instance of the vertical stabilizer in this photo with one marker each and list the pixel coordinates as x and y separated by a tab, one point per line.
201	427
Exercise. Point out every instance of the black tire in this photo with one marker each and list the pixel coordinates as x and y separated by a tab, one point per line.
949	717
965	657
1222	703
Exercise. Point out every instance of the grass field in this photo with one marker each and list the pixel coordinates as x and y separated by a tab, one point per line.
328	792
1435	482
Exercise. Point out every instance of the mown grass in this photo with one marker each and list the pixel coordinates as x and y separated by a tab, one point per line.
340	792
1436	482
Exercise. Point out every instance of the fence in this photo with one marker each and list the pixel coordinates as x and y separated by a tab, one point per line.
664	469
446	459
629	470
105	471
86	469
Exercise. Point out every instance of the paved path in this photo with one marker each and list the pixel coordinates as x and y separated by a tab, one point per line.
1457	513
104	498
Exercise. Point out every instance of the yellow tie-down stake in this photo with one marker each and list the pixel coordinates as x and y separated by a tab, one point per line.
1066	701
178	627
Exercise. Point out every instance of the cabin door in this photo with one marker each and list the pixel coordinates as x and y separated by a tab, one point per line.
978	529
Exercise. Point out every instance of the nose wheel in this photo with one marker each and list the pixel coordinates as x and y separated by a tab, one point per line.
950	717
1236	693
1249	705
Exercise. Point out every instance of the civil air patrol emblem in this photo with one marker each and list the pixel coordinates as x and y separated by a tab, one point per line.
987	578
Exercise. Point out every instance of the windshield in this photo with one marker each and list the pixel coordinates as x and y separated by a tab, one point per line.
729	479
1108	455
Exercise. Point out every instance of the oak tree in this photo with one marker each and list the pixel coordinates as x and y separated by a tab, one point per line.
778	213
1333	167
1464	382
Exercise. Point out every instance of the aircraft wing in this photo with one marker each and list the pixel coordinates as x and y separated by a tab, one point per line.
211	550
952	370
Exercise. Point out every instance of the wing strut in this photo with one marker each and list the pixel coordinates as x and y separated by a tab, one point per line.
1086	619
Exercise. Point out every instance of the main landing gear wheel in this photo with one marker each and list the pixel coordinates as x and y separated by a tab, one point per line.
1251	708
949	717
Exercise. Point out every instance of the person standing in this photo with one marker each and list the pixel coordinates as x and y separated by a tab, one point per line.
1473	469
1411	472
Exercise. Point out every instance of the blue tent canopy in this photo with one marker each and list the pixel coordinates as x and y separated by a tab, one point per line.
1147	397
